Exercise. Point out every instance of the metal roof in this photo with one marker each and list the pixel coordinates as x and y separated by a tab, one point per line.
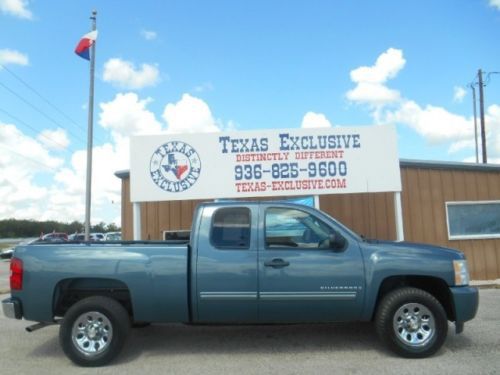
449	165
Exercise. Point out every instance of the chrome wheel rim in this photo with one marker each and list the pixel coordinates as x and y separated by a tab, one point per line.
92	333
414	324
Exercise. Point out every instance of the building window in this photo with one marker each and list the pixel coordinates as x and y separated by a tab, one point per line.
470	220
231	228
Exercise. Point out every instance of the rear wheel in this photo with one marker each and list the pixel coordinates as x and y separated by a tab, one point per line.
94	330
411	322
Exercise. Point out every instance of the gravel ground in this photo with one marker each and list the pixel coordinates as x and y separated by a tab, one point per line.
284	349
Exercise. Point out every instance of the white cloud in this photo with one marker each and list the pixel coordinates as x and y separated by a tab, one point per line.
495	4
17	8
9	56
315	120
387	66
54	139
29	151
373	94
63	196
127	115
69	193
21	159
189	115
370	88
149	34
459	93
439	126
492	120
124	74
435	124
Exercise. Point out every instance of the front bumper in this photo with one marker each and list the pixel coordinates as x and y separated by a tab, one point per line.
12	308
465	302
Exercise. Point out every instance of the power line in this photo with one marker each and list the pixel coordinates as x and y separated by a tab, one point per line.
40	111
47	101
41	96
488	77
17	119
29	159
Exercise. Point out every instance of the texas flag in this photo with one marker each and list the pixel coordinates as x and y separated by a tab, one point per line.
83	47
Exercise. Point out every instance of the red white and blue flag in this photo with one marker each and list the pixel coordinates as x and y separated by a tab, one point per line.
83	47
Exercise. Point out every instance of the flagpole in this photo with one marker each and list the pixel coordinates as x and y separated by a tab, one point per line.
90	132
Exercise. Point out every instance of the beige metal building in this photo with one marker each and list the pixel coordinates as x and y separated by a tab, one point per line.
454	205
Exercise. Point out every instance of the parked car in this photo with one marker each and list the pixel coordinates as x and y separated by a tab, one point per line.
77	237
94	237
54	237
97	236
6	253
113	236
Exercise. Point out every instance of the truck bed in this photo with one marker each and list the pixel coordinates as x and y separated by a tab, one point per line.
151	272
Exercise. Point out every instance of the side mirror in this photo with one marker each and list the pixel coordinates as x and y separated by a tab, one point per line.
337	242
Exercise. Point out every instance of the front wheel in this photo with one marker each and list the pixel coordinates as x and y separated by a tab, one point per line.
94	330
411	322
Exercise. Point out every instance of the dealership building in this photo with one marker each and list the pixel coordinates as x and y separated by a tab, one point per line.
455	205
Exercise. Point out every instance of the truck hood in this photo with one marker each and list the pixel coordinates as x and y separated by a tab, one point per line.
407	248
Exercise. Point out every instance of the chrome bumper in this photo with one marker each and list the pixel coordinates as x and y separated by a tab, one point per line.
12	308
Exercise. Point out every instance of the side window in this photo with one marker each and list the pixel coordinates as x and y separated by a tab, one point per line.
291	228
231	228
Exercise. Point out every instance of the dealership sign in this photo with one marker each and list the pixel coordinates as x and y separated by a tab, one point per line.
264	163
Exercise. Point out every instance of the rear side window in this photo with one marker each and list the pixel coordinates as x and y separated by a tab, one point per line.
231	228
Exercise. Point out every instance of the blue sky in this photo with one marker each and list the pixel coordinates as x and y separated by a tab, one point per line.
191	66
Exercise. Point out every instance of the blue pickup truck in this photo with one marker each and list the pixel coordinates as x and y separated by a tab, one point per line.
246	262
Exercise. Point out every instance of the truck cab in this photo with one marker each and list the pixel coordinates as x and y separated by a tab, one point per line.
275	263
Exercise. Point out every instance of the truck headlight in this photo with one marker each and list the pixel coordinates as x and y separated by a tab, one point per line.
461	272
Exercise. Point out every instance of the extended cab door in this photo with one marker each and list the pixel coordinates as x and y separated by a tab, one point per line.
226	265
301	277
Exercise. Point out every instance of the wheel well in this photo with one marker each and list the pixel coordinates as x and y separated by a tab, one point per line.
432	285
70	291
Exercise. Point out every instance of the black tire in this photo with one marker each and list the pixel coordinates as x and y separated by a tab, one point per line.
411	322
94	331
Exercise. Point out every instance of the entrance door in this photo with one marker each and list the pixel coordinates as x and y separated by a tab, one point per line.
226	264
301	278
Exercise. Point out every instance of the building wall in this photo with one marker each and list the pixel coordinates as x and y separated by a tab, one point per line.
425	192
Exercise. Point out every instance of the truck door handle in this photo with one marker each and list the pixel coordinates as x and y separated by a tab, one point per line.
276	263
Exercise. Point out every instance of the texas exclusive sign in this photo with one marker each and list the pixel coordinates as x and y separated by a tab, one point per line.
278	162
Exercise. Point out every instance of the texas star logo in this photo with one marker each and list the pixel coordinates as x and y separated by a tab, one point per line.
175	166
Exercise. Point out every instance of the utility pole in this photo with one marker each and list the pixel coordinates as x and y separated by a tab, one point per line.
481	114
475	120
90	134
